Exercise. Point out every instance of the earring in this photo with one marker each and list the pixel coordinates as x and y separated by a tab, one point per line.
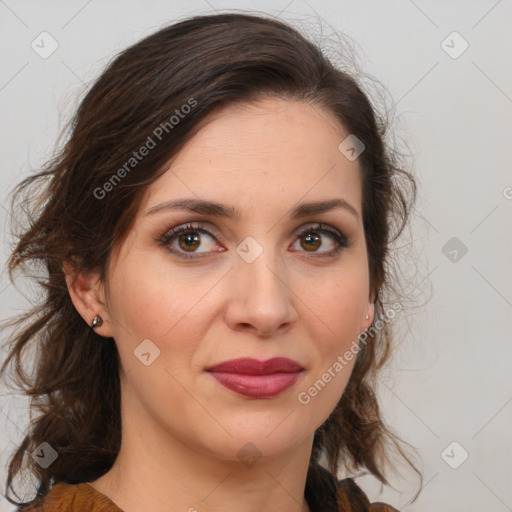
97	321
367	316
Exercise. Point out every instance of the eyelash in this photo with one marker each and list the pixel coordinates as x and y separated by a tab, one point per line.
340	239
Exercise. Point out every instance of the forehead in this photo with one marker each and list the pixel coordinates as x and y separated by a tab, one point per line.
269	151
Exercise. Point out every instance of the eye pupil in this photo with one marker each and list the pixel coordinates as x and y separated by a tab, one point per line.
191	241
311	239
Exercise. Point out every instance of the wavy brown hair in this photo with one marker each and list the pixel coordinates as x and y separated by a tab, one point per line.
212	60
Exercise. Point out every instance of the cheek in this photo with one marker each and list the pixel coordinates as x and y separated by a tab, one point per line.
335	348
338	302
149	303
160	310
334	313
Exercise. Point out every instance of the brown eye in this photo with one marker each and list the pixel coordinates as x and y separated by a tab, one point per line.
186	240
189	241
311	241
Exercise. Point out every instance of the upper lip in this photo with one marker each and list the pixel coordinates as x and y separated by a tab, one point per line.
249	366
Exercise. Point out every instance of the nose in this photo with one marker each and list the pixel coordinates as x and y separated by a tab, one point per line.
261	298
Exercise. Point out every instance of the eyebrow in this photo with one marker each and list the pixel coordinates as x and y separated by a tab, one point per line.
215	209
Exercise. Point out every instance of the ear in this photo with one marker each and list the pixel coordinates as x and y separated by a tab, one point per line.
88	296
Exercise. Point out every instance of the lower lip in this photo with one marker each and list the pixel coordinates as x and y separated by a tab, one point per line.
257	386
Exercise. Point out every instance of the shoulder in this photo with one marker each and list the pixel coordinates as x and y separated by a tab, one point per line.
64	497
351	498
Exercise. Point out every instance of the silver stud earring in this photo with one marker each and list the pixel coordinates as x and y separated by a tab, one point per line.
367	316
97	321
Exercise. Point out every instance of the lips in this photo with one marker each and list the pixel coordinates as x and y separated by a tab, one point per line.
249	366
257	379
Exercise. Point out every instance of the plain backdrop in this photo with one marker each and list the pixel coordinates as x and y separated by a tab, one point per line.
448	68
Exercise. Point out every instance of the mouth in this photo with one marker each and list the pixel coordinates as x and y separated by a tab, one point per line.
257	379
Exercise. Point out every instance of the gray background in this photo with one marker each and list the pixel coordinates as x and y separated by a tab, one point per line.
450	380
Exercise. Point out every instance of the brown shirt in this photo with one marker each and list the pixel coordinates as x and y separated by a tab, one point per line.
347	497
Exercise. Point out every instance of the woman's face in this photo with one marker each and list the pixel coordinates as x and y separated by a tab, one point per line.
262	284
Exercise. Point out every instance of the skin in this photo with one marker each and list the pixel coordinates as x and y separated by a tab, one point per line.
182	430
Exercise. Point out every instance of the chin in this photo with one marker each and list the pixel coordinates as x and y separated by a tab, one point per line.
253	443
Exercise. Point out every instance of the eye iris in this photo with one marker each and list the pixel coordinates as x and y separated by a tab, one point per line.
311	238
191	240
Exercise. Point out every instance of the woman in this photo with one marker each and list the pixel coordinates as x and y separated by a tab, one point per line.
216	234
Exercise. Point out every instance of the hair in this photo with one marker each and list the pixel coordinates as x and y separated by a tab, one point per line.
79	210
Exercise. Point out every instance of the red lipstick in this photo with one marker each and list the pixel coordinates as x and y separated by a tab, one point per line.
257	379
